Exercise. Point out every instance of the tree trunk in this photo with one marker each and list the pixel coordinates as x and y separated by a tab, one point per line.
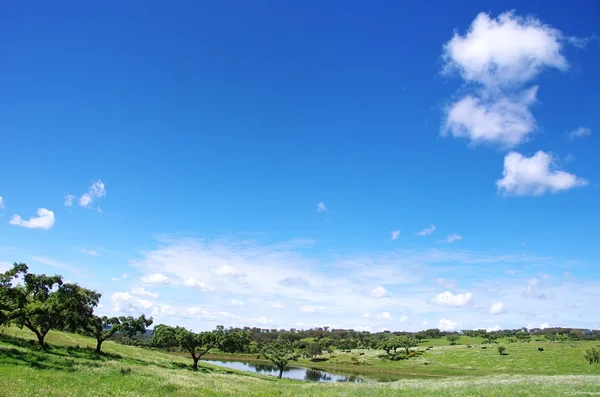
280	372
40	338
98	345
407	352
195	366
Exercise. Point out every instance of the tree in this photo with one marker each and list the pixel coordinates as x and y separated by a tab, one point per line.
407	342
102	328
197	344
235	342
452	338
314	350
501	350
44	302
279	353
490	337
592	355
8	294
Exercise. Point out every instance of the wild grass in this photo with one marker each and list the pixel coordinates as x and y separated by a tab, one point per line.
69	367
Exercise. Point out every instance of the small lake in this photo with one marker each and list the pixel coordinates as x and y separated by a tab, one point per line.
308	374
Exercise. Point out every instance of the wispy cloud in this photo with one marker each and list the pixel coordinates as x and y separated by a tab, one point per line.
425	232
580	132
321	207
90	252
395	234
69	198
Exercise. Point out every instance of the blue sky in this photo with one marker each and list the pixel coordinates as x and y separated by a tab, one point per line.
342	164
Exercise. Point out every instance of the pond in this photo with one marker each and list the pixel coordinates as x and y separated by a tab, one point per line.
308	374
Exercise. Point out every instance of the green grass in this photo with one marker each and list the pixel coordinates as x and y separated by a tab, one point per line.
71	368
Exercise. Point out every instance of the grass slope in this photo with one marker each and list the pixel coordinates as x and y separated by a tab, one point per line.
71	368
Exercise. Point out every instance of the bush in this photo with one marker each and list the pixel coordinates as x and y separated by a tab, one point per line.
501	349
412	354
593	355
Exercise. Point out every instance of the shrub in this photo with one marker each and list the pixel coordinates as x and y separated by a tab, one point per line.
593	355
412	354
501	349
452	338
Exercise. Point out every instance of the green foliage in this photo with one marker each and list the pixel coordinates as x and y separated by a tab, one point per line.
235	342
452	338
592	355
197	344
501	349
280	353
314	349
490	337
103	328
43	302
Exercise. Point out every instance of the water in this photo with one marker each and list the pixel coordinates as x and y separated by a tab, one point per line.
308	374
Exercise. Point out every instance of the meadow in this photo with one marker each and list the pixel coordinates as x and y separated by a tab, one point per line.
70	367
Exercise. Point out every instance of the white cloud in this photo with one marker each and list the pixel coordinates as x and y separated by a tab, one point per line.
117	279
507	50
497	308
581	42
277	305
494	328
237	303
69	199
504	121
403	318
321	207
124	302
425	323
90	252
426	231
544	326
536	290
227	271
498	57
156	278
580	132
312	309
366	315
448	325
395	234
385	316
378	292
194	283
1	202
140	291
96	190
534	175
449	299
451	238
44	220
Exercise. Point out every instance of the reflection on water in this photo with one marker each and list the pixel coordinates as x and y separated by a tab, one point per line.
308	374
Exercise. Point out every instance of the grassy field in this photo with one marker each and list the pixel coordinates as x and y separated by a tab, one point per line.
71	368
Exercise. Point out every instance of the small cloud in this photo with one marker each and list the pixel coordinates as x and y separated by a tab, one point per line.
1	202
497	308
277	305
534	176
321	207
403	318
426	231
385	316
581	42
45	220
227	271
139	291
544	276
395	234
536	291
580	132
116	279
451	238
124	276
544	326
448	325
312	309
293	282
156	278
378	293
425	323
96	190
237	303
366	315
69	199
192	282
493	329
449	299
90	252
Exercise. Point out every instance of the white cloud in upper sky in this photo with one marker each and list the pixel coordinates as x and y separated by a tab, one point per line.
534	175
192	282
580	132
378	292
498	57
449	299
96	190
497	308
90	252
385	316
69	199
140	291
395	234
451	238
321	207
156	278
427	231
237	303
1	202
44	220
